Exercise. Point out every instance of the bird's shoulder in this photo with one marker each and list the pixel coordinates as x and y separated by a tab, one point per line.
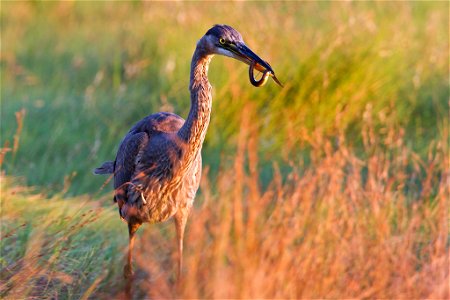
162	143
148	143
164	122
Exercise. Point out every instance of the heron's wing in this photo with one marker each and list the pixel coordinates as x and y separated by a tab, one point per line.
136	155
137	139
127	158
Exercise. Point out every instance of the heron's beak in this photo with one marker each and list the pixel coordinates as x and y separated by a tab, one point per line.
244	54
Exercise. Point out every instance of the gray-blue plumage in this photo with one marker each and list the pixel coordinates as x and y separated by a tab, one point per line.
158	165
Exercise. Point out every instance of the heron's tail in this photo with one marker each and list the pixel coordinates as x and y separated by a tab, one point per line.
106	168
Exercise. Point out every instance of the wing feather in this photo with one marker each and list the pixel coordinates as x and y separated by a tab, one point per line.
127	157
144	157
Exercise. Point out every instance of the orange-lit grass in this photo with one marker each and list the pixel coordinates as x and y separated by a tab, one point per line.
368	226
351	223
52	248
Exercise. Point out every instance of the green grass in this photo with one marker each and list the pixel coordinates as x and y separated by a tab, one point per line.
334	186
52	246
85	72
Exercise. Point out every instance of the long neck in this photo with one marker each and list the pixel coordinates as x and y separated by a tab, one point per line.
194	129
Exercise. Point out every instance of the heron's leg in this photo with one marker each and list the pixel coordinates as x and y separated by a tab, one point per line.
180	224
128	269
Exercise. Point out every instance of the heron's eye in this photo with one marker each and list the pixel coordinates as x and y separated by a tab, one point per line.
222	41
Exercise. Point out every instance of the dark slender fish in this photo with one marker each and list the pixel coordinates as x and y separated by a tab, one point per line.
263	80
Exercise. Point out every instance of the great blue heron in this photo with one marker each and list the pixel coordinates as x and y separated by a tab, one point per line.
158	166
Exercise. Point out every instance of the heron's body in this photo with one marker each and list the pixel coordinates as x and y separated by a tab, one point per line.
148	168
158	165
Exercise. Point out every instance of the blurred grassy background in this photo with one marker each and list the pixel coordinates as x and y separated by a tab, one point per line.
334	186
85	72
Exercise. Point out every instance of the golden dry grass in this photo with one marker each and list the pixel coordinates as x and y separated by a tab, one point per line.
349	226
355	204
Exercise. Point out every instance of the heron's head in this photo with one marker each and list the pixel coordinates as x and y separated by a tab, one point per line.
225	40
